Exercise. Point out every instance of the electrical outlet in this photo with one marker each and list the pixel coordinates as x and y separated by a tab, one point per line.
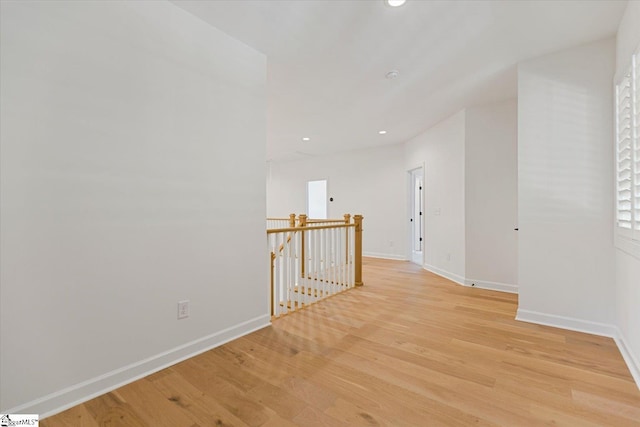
183	309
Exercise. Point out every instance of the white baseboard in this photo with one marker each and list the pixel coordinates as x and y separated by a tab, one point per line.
94	387
493	286
588	327
483	284
446	274
570	323
628	356
384	256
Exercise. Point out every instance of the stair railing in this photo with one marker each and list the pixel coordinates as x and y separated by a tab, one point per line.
313	260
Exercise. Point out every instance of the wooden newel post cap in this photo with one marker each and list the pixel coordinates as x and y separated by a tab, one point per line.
357	219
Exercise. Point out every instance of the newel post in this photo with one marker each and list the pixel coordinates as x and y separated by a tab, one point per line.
347	221
292	220
357	219
273	258
303	224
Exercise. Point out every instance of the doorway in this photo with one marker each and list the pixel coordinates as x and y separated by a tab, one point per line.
317	199
416	203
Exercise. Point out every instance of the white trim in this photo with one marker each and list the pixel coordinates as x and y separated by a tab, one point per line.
587	327
446	274
493	286
385	256
628	356
482	284
409	213
64	399
569	323
627	238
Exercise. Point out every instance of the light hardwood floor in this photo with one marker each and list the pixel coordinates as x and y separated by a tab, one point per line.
408	349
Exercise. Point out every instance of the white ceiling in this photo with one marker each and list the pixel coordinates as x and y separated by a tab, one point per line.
327	60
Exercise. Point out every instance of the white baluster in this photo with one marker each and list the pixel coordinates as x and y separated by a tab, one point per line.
292	279
334	265
276	273
317	284
325	258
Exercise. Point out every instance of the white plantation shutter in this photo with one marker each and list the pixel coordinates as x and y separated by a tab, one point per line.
635	130
624	152
628	152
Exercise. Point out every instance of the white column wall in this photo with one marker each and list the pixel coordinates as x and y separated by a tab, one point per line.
627	266
491	189
132	176
441	150
565	189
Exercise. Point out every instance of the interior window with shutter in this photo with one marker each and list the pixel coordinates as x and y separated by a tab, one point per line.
628	154
624	152
635	130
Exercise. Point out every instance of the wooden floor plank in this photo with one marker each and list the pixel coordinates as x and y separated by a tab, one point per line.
409	348
206	410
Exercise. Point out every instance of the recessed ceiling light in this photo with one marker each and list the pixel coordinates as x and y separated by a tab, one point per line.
306	138
395	3
382	132
392	74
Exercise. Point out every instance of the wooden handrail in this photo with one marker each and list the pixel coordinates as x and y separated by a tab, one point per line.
308	267
315	227
282	244
292	220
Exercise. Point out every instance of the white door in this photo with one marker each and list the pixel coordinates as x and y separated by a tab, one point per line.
317	199
416	219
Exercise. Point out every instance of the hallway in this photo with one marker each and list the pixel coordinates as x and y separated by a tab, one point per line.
409	348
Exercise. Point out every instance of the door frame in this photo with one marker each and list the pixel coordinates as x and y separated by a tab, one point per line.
415	256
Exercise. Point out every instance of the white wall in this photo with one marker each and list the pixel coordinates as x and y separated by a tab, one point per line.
628	267
369	182
132	176
441	150
491	185
469	159
565	189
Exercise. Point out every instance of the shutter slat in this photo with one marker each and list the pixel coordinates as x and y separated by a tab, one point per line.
624	159
628	150
625	153
634	82
635	143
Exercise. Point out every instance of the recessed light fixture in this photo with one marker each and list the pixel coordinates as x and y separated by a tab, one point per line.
392	74
395	3
306	138
382	132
